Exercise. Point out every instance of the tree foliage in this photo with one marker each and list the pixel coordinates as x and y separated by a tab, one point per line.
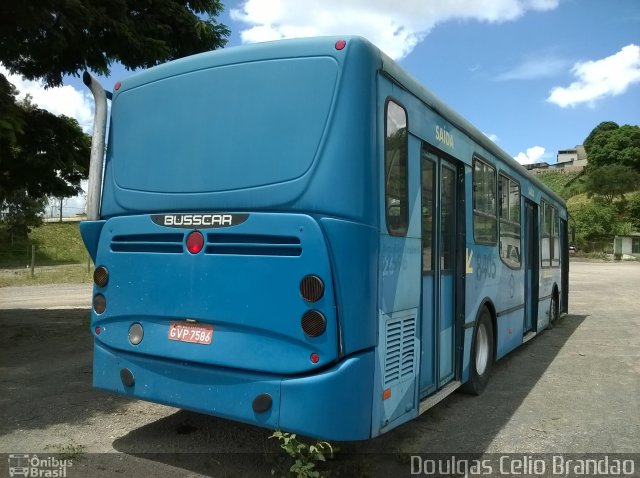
51	38
611	181
596	220
23	212
633	210
610	144
41	154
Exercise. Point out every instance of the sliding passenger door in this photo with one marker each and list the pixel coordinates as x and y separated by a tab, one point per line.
441	260
531	263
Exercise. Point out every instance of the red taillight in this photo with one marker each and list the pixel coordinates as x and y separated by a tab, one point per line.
98	330
314	358
117	85
195	242
99	303
340	44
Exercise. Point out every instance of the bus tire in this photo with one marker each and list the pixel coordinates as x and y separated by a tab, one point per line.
481	355
553	308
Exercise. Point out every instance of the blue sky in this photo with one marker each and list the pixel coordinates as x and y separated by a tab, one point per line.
496	62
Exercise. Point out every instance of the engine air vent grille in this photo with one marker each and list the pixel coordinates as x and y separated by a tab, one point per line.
399	362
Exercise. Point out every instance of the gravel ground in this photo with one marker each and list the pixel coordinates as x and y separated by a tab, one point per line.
573	389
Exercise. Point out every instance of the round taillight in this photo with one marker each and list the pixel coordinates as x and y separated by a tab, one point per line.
136	333
101	276
195	242
340	44
98	330
311	288
315	358
313	323
99	303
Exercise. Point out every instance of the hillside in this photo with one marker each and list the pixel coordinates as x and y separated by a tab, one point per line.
565	184
56	243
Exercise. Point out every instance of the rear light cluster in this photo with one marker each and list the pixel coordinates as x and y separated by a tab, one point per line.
101	279
311	288
313	322
101	276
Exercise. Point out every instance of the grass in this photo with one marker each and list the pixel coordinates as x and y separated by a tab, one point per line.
56	243
64	274
60	256
70	451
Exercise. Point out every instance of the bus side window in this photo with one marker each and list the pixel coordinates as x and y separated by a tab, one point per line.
485	228
555	238
510	221
395	167
545	235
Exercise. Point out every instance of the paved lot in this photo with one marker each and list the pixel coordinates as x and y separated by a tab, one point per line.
58	296
573	389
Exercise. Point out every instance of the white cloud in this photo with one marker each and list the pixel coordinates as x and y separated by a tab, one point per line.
63	100
533	69
609	76
492	137
395	27
533	155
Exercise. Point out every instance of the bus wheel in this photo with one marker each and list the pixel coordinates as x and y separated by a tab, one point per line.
481	355
553	308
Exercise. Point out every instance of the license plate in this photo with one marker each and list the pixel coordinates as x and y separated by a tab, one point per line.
192	333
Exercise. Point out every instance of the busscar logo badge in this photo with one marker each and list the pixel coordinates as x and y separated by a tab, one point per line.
200	220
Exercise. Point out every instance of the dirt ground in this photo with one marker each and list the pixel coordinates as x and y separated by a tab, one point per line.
573	389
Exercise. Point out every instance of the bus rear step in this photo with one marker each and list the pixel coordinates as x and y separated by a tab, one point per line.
437	397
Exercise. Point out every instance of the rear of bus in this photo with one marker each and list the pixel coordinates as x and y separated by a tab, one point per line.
236	244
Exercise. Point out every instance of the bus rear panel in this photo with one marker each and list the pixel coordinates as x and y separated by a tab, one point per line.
235	147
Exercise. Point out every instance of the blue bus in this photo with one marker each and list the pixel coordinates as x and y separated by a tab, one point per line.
298	235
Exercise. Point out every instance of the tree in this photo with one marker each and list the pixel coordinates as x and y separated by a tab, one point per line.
23	212
50	38
596	220
41	154
11	124
633	210
611	181
610	144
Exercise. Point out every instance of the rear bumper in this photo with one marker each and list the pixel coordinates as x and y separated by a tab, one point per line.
334	404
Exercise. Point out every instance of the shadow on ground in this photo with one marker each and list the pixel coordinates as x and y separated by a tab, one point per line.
45	370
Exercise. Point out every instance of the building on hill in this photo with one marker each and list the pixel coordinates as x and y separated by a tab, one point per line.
572	160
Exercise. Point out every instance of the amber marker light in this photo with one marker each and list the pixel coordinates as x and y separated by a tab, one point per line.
101	276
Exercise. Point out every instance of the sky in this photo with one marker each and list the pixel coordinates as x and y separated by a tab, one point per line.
536	76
